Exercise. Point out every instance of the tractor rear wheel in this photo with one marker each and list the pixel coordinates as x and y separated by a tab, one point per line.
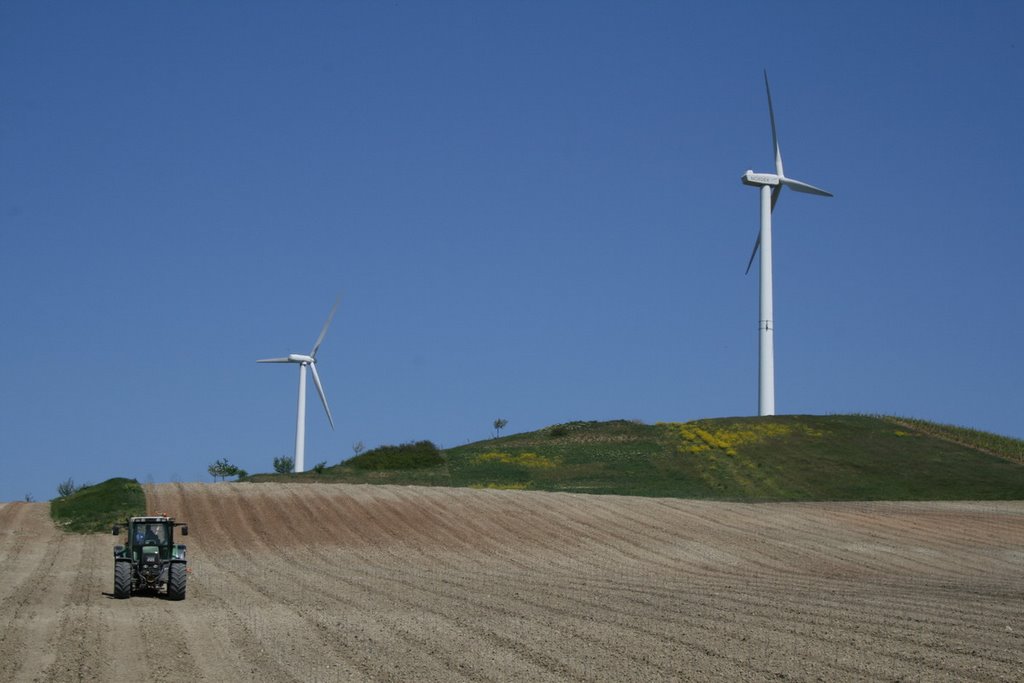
122	579
176	581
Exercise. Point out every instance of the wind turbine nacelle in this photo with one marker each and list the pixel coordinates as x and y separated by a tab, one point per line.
759	179
299	358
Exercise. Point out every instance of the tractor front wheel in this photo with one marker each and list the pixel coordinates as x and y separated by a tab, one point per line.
176	582
122	579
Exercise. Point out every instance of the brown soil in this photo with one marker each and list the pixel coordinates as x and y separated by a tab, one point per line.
340	582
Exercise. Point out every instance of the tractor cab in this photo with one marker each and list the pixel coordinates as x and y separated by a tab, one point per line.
151	537
150	559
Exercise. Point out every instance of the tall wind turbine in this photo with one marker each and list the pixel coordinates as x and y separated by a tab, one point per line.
771	185
306	362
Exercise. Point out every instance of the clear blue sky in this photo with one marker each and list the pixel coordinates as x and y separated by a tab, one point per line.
533	211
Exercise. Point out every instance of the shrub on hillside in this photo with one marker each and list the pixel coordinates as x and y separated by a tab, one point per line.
224	469
67	487
407	456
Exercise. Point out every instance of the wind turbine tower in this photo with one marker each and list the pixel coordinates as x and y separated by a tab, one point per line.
305	362
771	185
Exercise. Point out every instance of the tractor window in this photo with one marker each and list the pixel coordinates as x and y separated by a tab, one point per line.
150	534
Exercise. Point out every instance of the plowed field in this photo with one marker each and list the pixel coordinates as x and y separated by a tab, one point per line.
338	582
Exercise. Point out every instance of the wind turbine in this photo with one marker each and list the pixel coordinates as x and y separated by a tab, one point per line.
771	185
306	362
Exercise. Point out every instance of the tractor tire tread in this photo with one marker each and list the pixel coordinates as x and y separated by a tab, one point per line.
122	580
176	581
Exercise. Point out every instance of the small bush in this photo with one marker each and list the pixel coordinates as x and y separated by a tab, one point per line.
407	456
67	487
224	469
284	465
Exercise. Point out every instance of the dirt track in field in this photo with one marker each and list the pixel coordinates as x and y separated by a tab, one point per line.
337	582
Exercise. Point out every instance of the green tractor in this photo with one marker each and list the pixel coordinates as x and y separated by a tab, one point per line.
150	561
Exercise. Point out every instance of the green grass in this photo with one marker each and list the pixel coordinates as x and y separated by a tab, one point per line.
784	458
985	441
98	507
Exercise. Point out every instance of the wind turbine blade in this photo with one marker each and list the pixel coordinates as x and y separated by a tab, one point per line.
775	195
274	360
775	137
804	187
757	245
323	332
320	390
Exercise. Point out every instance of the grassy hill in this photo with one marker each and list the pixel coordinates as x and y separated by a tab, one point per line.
842	457
98	507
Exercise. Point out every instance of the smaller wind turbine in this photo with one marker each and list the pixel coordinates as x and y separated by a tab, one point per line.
771	185
306	362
